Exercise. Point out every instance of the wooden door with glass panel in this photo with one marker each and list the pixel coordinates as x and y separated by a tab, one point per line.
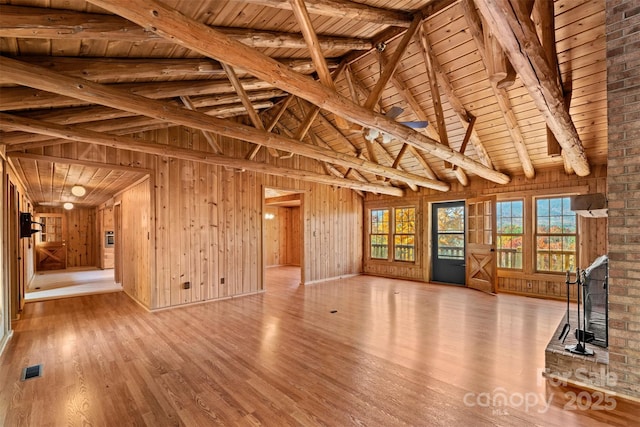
481	240
51	246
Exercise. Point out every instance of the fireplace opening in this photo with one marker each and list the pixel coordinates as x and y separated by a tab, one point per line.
596	302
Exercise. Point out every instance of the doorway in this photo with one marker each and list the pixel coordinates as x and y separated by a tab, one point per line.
282	238
448	242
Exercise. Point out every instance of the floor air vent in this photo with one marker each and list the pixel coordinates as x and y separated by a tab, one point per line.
29	372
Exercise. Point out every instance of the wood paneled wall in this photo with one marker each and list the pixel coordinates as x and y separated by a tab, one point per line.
207	221
135	241
81	238
283	241
5	307
592	232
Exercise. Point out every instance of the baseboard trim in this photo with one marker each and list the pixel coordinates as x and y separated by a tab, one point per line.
5	341
328	279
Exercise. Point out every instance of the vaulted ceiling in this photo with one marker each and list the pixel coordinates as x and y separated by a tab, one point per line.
508	87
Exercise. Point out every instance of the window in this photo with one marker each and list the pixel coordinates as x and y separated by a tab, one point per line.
380	233
405	234
556	231
401	233
450	232
510	232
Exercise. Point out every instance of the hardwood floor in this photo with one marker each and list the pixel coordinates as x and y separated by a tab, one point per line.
361	351
70	283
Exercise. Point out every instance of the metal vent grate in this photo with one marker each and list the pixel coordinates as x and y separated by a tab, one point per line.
29	372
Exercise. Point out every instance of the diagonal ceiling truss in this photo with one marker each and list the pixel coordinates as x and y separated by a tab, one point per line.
110	98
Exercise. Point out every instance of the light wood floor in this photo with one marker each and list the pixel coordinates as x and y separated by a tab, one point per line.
70	282
394	353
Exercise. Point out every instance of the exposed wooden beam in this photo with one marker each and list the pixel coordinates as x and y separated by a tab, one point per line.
544	18
119	126
185	31
94	92
107	70
319	142
458	107
392	64
251	112
225	105
211	138
429	60
387	35
387	73
344	9
510	21
22	98
315	110
500	70
55	24
501	95
315	50
126	143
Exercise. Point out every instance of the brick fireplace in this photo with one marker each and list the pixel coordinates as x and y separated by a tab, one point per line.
623	192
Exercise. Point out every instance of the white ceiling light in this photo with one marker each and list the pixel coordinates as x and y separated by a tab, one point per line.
78	190
68	206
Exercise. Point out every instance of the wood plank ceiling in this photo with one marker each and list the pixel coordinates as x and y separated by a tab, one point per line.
313	78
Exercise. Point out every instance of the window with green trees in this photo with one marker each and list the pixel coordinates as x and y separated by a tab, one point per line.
510	233
556	235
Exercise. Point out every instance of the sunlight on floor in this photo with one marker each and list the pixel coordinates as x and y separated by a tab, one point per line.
70	283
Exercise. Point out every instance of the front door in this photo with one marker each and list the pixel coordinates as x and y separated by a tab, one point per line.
51	249
481	237
447	222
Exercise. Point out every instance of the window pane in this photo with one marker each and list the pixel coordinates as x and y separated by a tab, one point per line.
510	233
380	221
379	246
451	219
451	246
405	220
404	248
556	239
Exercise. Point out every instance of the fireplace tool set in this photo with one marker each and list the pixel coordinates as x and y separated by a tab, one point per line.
582	335
593	301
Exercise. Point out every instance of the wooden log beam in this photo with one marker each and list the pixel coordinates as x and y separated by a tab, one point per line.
101	94
315	50
8	121
392	65
210	137
251	112
223	106
458	107
55	24
510	21
21	98
544	19
108	70
172	24
345	10
321	143
388	71
501	95
123	126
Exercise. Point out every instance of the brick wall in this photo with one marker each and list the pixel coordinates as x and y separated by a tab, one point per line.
623	93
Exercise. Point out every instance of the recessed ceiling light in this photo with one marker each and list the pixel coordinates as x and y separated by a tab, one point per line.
78	190
68	206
